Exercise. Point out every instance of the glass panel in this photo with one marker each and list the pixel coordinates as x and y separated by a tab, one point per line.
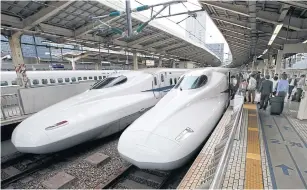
95	77
67	80
4	83
100	77
90	78
192	82
52	80
84	78
60	80
14	82
79	78
35	81
73	79
44	81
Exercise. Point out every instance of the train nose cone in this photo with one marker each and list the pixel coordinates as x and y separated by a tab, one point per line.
147	150
29	141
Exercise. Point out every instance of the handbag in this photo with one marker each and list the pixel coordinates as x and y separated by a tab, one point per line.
257	97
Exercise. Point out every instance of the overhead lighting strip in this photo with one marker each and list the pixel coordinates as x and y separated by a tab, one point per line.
275	33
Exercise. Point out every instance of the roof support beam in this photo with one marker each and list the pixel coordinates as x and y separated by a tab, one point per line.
160	42
173	46
297	24
295	3
144	39
45	13
231	21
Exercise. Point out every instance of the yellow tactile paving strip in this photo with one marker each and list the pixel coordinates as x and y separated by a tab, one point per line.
253	170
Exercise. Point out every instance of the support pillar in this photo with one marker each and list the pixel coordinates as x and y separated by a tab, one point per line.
266	66
96	66
278	61
135	61
18	61
174	64
253	64
73	63
160	62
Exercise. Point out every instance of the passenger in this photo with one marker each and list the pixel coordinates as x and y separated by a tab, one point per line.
259	82
275	81
292	84
300	85
266	88
252	84
282	87
243	88
233	85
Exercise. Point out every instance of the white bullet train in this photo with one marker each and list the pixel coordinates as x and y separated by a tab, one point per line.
108	107
8	78
166	136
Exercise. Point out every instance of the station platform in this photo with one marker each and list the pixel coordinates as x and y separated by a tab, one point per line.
270	153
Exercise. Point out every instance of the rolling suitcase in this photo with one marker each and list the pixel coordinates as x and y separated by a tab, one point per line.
277	105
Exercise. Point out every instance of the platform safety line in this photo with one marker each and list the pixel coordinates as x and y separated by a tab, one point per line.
253	169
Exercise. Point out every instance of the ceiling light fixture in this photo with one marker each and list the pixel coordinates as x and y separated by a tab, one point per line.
264	52
275	33
304	41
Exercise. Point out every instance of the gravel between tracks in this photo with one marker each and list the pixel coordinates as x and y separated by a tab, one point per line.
87	176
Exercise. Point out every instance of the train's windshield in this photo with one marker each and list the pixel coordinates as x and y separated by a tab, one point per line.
109	82
191	82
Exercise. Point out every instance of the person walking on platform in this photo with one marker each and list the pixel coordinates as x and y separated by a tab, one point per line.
259	82
282	87
266	88
252	84
275	81
300	85
292	84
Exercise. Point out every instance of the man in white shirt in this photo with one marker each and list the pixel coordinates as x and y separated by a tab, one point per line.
252	84
292	84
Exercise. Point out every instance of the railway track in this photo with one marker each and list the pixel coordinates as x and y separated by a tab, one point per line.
27	166
132	177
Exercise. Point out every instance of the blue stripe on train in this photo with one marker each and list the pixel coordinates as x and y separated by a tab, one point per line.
164	89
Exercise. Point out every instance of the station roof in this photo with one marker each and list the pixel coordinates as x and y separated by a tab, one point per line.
70	21
248	28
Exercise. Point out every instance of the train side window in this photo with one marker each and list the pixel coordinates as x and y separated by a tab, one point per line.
79	78
60	80
35	81
4	83
104	77
73	79
44	81
175	80
67	80
100	77
155	80
52	80
90	78
14	82
162	78
95	77
171	81
84	78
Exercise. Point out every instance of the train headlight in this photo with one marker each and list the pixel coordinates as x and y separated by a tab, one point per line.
59	124
184	134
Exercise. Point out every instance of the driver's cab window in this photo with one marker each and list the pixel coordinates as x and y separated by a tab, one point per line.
162	78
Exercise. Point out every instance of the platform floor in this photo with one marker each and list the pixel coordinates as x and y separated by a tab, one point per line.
270	154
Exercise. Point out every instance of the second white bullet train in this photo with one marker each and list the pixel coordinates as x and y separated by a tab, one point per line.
108	107
168	135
